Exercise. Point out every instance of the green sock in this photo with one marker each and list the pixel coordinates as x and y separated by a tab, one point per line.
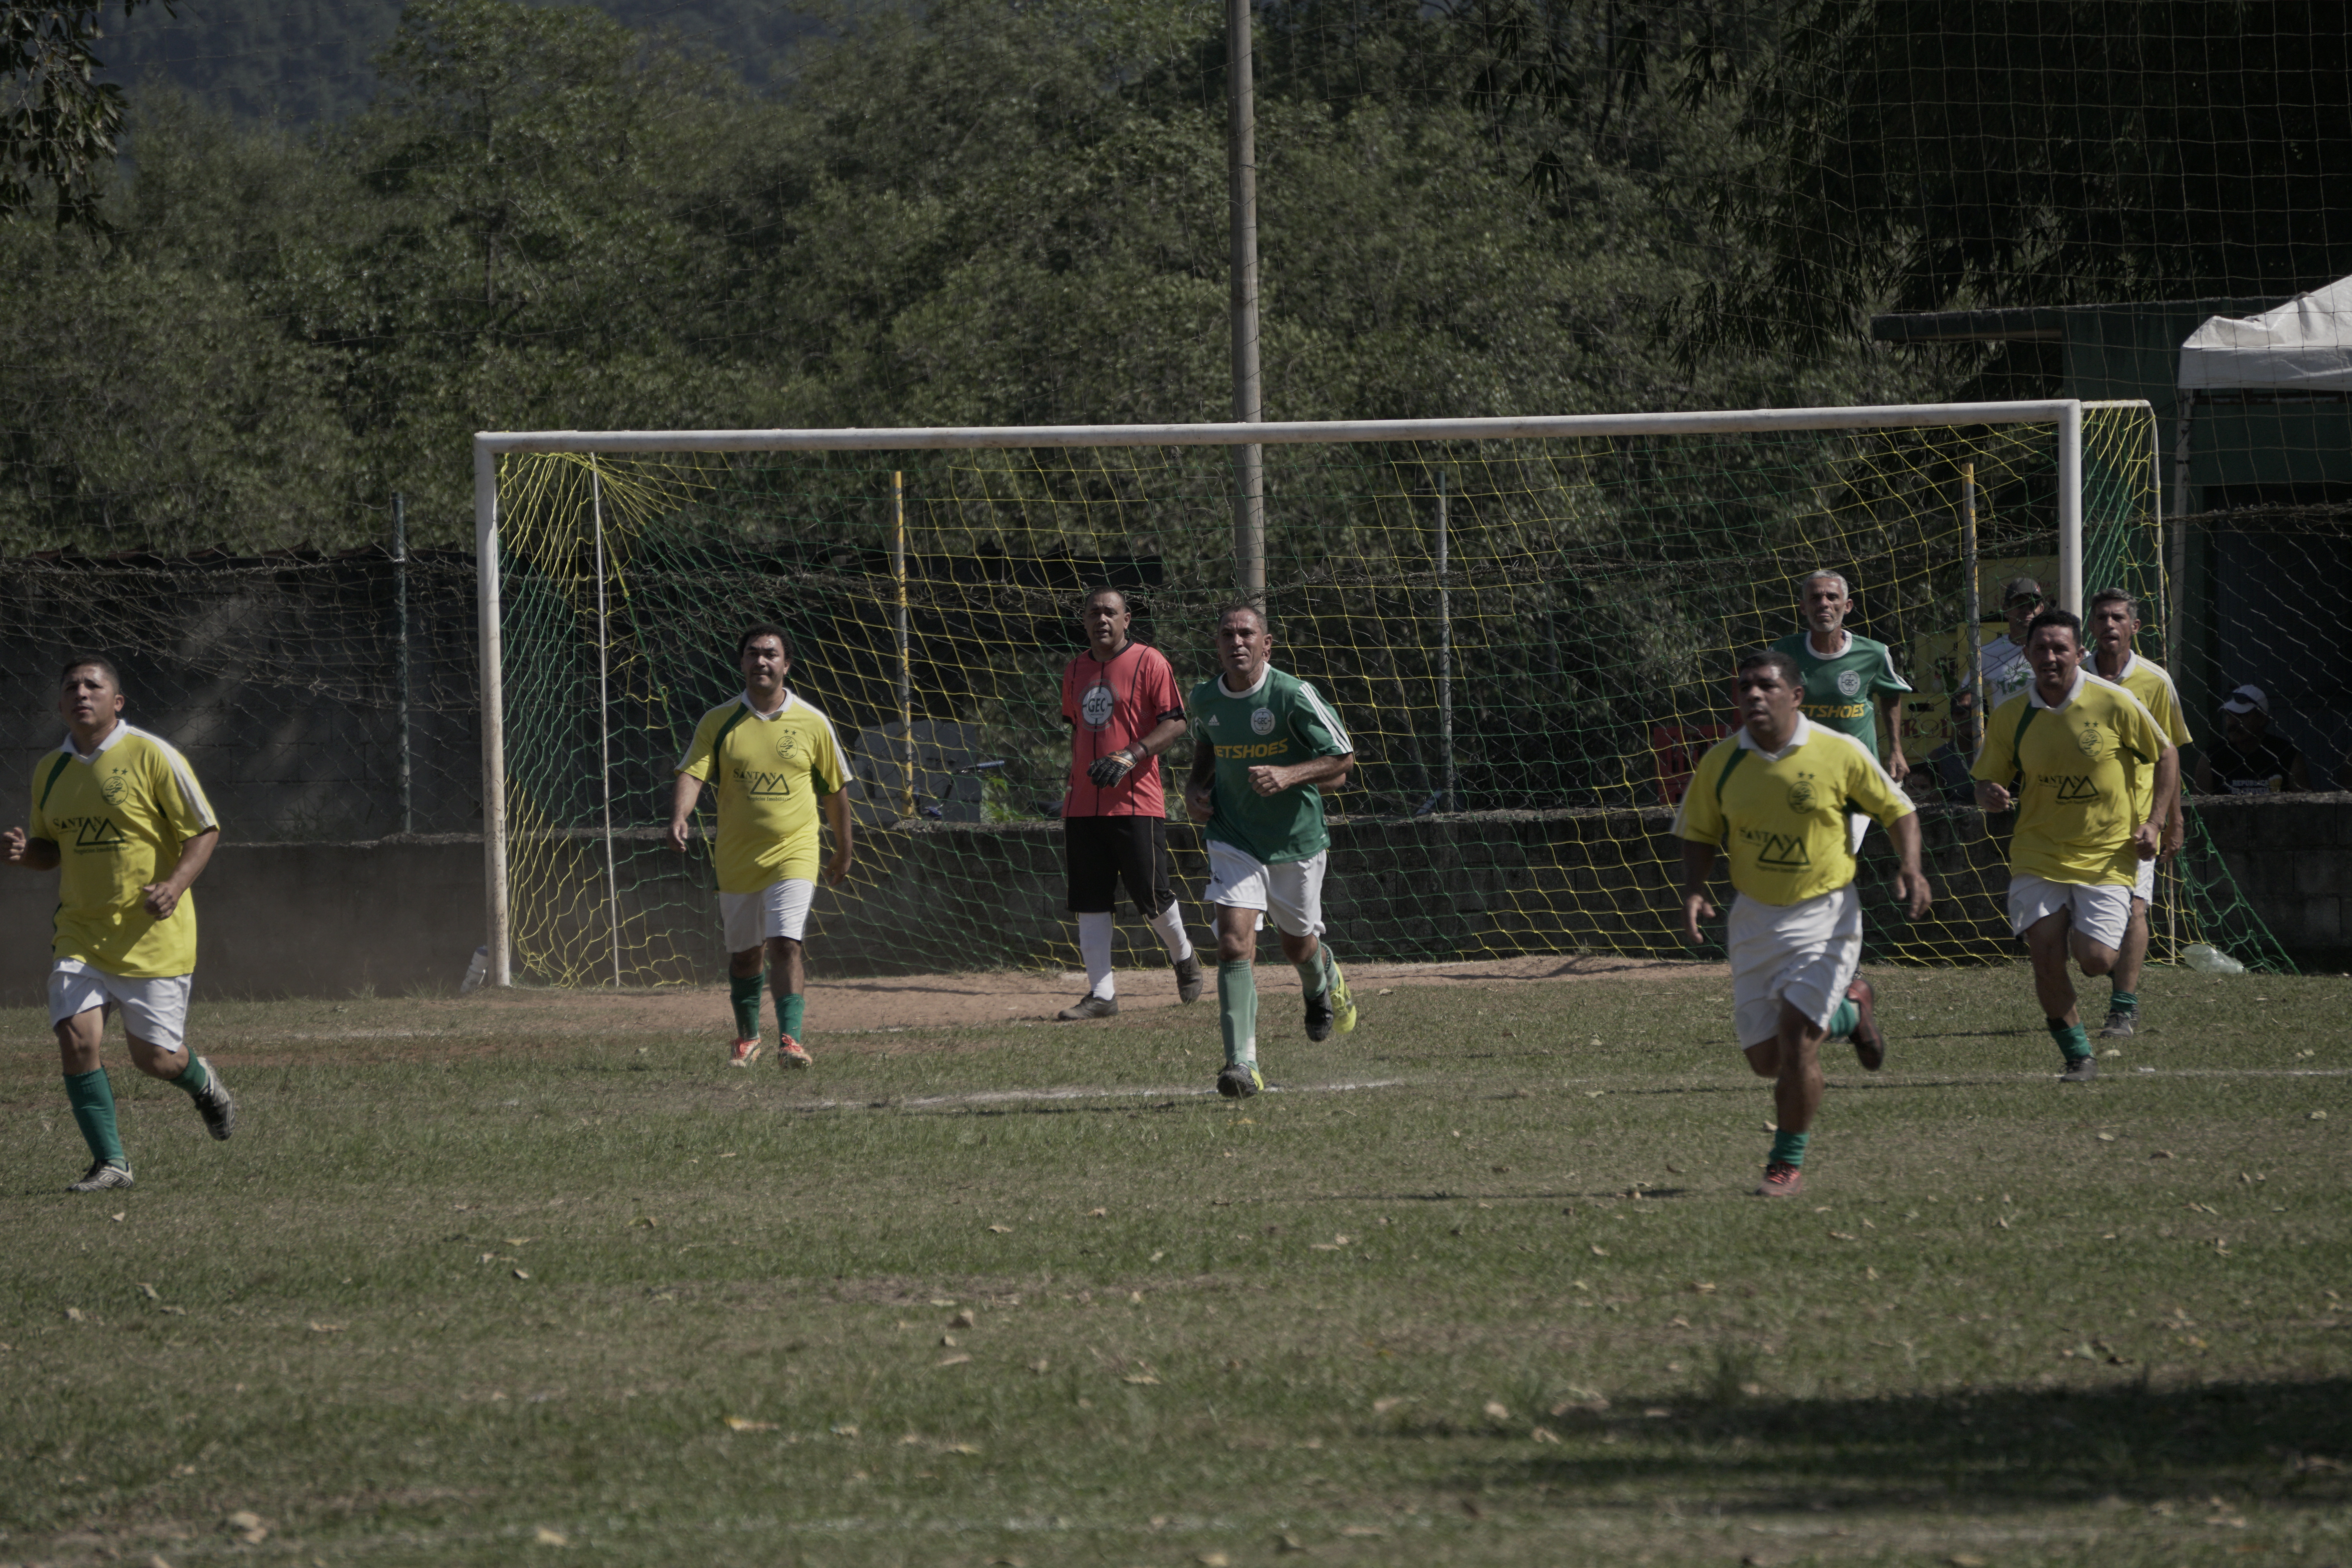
92	1098
790	1010
1788	1148
1237	1011
743	990
2071	1038
1843	1021
2124	1002
192	1077
1315	974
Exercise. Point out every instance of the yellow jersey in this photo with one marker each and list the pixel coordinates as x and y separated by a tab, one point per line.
2080	773
2152	684
119	818
1780	816
771	770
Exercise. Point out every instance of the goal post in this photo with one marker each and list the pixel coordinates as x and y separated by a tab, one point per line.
1547	599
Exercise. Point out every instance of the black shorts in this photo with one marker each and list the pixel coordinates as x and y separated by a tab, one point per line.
1100	852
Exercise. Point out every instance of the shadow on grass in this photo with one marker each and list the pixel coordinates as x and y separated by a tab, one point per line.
2277	1441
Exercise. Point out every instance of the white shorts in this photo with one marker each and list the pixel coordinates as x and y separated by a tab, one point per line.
2103	915
1292	890
779	908
1805	955
2143	886
155	1010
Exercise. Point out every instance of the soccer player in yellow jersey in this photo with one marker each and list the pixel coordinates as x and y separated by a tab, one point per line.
1774	798
119	812
2068	754
773	759
2113	622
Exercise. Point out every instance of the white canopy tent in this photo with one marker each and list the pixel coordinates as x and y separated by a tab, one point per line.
2304	345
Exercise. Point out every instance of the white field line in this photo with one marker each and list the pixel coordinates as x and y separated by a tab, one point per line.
1026	1096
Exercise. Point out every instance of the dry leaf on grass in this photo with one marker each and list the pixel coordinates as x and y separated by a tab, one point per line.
326	1328
958	1359
1001	1229
745	1424
149	1292
968	1448
1383	1406
962	1320
546	1537
1544	1435
522	1273
1143	1379
1497	1410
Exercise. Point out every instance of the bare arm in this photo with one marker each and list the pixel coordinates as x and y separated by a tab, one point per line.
1200	784
195	854
1164	734
1698	864
836	813
1910	882
19	849
681	809
1890	720
1270	779
2148	837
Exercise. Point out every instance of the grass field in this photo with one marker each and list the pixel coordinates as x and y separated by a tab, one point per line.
1481	1286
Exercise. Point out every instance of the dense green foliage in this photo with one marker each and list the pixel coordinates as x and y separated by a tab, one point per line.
978	213
59	122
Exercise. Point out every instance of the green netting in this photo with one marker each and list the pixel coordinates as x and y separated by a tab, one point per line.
1525	715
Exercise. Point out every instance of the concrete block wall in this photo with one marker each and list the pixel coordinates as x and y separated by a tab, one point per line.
397	914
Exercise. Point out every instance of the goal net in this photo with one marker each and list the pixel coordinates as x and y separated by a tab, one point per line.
1528	628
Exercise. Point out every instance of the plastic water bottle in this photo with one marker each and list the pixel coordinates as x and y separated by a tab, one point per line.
2207	959
476	972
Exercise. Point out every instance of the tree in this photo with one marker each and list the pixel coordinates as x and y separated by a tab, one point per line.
1940	155
58	125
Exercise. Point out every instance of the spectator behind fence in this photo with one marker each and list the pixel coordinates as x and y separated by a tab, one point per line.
2005	669
2249	759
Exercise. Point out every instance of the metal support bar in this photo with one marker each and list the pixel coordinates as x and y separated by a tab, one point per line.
1975	605
2070	507
605	721
1448	802
499	935
906	646
1240	190
400	657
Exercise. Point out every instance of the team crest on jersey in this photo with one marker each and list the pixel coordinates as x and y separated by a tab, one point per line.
2074	789
1802	795
1849	681
1262	721
788	746
2092	741
1096	705
113	788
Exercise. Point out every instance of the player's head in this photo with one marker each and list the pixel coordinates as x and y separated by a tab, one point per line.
2053	645
1243	641
2021	601
765	653
89	691
1767	692
1822	600
1104	615
2114	620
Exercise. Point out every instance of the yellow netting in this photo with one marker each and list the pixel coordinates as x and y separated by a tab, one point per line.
1524	714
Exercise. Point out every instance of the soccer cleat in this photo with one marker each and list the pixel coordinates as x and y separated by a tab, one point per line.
1239	1081
1090	1007
216	1104
1781	1181
1343	1002
1188	978
2082	1069
2120	1027
99	1177
743	1053
791	1053
1320	1015
1869	1045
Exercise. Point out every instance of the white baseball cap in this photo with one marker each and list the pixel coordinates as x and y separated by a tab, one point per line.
2248	699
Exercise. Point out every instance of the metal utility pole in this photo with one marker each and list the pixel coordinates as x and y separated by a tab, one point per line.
400	654
1240	172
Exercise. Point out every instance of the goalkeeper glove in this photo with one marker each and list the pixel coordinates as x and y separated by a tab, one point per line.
1108	771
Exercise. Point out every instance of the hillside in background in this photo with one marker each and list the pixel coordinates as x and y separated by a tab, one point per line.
296	62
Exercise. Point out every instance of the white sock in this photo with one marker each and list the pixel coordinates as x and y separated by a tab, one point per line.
1169	923
1094	946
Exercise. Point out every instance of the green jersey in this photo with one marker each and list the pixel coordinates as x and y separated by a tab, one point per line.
1840	689
1280	722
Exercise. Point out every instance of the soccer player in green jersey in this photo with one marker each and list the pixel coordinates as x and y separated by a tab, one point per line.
1774	799
2067	754
773	759
119	813
1847	678
1264	743
2113	622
